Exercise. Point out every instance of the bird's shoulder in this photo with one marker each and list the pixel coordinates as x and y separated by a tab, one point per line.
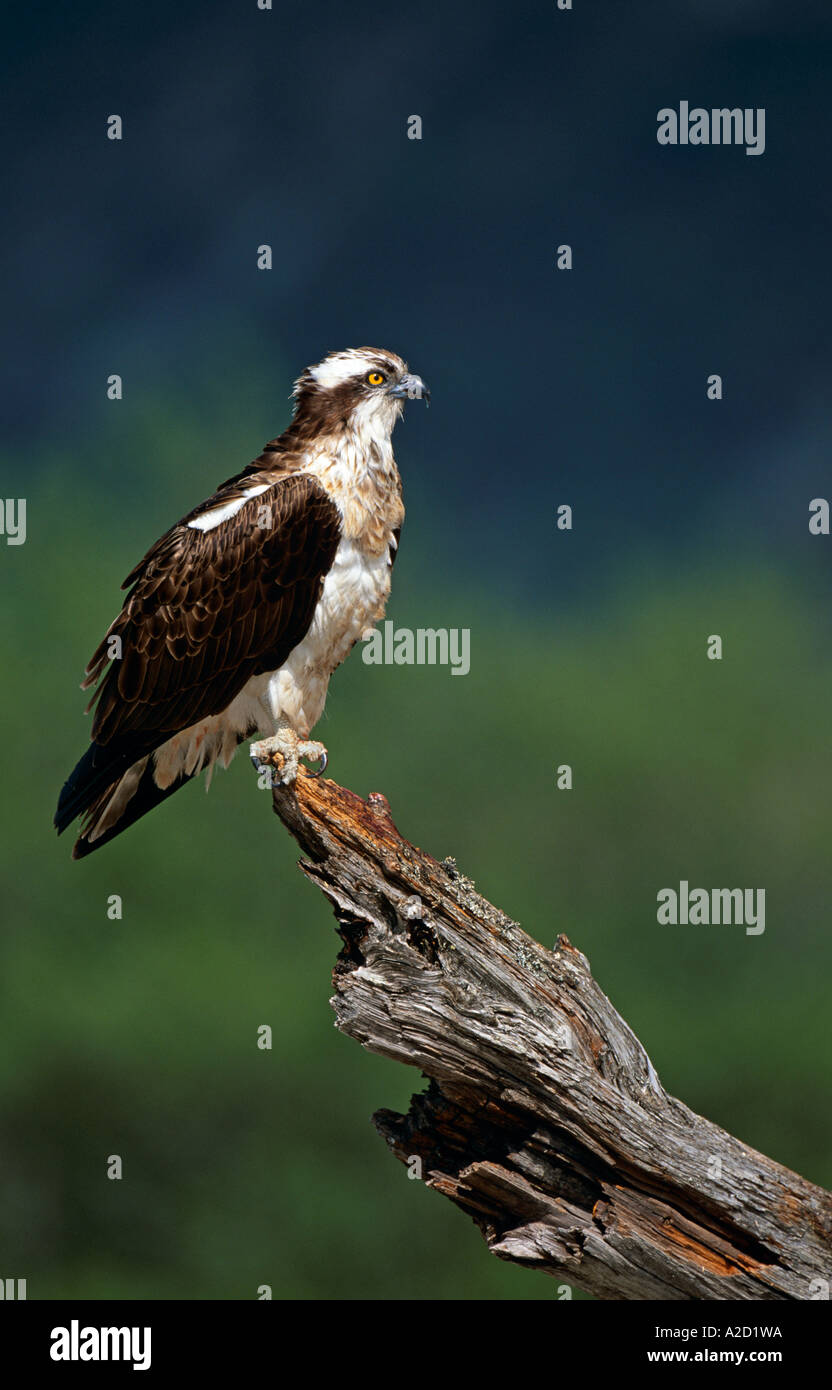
265	510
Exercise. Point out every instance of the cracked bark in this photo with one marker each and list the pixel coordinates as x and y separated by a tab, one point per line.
544	1118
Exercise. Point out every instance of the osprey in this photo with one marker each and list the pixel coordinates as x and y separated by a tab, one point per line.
236	619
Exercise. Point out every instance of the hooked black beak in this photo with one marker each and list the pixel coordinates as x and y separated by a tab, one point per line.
410	388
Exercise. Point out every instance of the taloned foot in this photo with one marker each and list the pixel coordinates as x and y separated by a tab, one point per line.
279	756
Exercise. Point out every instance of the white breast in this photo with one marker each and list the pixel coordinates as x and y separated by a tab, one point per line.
353	599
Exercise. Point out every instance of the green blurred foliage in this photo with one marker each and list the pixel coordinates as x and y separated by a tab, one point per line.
138	1037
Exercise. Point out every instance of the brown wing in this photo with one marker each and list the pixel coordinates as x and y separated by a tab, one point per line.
209	609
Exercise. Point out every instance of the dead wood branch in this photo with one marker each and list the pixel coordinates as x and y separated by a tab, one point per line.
544	1118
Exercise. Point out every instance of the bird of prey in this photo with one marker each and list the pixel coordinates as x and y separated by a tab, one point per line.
236	619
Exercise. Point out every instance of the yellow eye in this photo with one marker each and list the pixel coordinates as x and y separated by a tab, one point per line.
375	378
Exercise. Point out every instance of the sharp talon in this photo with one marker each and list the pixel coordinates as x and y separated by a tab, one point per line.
314	752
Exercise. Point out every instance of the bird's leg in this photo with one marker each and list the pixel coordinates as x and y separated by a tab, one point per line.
280	753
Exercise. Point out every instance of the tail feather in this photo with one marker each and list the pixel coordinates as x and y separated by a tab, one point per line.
111	787
103	821
101	767
114	785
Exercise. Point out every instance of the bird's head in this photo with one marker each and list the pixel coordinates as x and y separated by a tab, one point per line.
361	389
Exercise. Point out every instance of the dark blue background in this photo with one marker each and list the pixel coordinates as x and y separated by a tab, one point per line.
289	127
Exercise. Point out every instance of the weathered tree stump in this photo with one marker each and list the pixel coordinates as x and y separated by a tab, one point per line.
544	1118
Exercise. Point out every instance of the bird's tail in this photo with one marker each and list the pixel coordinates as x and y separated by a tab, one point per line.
110	790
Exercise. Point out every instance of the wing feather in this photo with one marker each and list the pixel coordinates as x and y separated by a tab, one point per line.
208	609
